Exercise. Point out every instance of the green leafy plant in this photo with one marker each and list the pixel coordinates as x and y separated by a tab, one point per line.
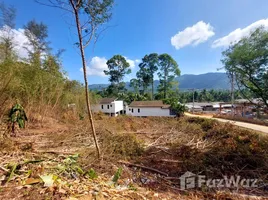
92	174
17	115
176	107
117	175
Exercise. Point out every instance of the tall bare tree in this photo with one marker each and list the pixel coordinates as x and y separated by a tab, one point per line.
37	34
7	22
89	17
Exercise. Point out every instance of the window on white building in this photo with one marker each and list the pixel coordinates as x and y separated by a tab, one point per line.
108	107
139	110
101	106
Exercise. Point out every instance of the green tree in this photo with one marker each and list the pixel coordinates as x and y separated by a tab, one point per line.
52	64
130	96
7	22
148	67
176	107
37	34
135	84
144	78
169	69
248	60
118	67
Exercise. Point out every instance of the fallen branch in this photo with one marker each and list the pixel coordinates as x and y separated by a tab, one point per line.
155	142
170	161
143	167
164	149
54	152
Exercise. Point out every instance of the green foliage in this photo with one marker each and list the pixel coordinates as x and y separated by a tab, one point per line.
117	175
17	115
70	166
148	67
39	84
176	107
36	33
118	67
169	69
92	174
211	95
12	172
130	96
98	12
135	84
7	21
248	60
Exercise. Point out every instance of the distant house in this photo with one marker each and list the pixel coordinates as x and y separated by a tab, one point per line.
149	108
110	106
195	108
212	107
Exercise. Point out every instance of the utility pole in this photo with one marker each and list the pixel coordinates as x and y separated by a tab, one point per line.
193	99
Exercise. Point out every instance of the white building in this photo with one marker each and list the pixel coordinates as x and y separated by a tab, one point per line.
195	108
110	106
149	108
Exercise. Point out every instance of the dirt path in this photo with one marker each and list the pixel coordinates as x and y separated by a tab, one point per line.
255	127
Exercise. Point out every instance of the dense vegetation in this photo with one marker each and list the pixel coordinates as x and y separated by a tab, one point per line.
37	81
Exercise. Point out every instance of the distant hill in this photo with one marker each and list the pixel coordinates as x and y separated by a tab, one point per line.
217	81
204	81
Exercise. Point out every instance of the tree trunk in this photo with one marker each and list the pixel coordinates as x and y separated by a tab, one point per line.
165	82
90	116
153	89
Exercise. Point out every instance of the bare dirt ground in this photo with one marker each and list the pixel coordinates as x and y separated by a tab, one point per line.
151	152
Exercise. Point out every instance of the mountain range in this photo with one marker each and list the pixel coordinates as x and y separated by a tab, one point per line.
212	80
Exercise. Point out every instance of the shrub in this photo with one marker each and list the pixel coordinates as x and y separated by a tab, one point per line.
121	144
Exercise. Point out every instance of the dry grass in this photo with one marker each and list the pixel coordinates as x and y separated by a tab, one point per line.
173	146
124	146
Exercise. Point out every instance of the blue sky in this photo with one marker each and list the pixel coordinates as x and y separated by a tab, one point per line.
201	30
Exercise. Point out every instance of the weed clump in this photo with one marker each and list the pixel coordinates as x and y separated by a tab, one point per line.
206	124
124	145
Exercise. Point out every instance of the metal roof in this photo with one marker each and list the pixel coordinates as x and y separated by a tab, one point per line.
148	104
107	100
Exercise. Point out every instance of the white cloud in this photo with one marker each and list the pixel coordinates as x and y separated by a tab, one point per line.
132	63
96	66
239	33
194	35
19	40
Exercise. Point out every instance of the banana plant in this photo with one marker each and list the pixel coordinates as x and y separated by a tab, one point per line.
17	115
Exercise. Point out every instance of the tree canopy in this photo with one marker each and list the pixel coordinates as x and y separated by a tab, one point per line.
118	67
248	60
169	69
148	67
